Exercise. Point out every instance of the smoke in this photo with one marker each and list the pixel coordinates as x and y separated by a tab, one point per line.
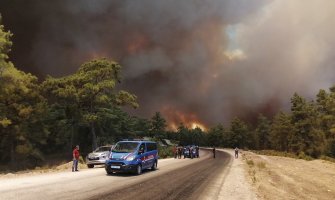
201	60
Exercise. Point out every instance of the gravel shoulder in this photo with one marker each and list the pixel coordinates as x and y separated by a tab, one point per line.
274	177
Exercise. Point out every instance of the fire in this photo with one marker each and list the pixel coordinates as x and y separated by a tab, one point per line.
175	118
198	125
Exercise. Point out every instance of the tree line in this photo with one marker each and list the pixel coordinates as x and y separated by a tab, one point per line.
39	118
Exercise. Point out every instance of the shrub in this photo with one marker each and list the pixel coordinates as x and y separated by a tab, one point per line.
165	152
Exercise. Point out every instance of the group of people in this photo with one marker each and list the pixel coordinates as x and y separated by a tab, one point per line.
187	151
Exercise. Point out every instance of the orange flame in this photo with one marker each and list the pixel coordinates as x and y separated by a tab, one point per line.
175	118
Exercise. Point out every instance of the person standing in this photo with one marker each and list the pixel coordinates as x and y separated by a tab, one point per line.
180	149
75	155
213	152
197	151
236	152
174	151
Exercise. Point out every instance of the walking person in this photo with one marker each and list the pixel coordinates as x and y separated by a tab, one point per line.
236	152
213	152
75	155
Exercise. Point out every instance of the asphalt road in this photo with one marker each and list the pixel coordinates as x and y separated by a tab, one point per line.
174	179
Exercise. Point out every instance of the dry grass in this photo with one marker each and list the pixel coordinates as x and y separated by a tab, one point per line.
276	178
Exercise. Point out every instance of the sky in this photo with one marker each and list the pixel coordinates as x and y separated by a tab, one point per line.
195	61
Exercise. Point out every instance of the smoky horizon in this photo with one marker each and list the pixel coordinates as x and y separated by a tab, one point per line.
197	62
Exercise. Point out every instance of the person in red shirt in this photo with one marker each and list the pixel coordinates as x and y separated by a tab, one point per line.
75	155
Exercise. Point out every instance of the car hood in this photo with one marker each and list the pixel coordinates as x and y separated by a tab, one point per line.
97	154
119	156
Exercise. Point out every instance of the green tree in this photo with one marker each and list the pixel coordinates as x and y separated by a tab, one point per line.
158	126
215	135
325	103
307	136
281	132
183	135
238	133
22	110
5	45
262	132
197	136
91	92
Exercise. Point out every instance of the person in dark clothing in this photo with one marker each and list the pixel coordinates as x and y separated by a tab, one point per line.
213	152
236	152
75	155
180	151
197	151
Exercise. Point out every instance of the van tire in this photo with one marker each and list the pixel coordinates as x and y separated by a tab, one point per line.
90	166
138	170
154	166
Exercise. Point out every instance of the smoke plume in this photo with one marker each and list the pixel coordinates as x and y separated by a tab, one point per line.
204	61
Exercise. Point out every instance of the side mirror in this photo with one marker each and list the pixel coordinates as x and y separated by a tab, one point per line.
140	151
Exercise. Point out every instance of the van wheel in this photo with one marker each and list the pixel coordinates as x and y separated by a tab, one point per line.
154	166
139	170
90	166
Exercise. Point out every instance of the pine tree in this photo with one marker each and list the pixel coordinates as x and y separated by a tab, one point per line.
262	132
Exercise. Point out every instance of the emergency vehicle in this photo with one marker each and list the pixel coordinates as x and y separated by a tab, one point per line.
132	156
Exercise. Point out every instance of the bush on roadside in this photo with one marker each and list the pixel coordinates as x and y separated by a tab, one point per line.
165	152
327	158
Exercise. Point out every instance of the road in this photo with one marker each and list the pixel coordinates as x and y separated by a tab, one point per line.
174	179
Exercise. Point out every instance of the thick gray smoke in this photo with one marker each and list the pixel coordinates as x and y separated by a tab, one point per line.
201	61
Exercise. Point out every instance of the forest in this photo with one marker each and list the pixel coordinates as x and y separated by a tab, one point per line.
41	118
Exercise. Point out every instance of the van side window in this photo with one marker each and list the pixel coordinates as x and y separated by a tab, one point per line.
151	146
142	148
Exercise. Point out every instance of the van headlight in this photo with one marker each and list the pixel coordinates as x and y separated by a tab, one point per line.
130	158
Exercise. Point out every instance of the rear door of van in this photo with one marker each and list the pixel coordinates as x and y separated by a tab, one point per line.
151	148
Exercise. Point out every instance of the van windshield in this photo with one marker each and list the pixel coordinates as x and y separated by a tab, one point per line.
125	147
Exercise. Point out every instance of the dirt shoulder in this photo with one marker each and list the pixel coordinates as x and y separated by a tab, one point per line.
275	177
236	185
41	170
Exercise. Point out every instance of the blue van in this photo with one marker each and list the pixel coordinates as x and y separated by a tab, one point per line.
132	156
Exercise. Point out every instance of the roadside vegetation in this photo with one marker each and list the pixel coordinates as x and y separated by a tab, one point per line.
40	119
